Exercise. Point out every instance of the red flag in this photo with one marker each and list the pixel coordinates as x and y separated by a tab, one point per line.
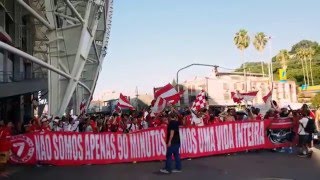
124	102
267	98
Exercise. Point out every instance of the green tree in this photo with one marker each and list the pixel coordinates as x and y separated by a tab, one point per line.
283	57
304	44
317	50
242	41
315	101
294	70
302	54
310	54
260	41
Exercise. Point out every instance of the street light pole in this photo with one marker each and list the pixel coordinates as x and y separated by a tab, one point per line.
194	64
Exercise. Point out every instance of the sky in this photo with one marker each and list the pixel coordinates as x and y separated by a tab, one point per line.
151	39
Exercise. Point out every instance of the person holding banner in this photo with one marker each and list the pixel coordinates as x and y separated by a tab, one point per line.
173	145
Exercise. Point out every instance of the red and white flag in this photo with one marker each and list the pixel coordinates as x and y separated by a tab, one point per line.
238	97
249	96
158	106
267	98
123	102
169	93
200	101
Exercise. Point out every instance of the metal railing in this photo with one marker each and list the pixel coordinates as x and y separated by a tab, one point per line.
9	76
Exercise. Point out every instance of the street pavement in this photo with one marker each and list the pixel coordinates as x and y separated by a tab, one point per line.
245	166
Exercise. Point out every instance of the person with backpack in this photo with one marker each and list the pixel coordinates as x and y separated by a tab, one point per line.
306	129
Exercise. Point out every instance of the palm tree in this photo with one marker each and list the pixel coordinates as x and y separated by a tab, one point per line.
260	41
310	53
242	41
301	53
283	57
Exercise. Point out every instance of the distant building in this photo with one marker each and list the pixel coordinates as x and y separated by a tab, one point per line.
106	95
220	85
108	101
142	101
306	94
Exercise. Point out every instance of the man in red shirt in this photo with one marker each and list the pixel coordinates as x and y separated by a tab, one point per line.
164	121
34	127
114	123
5	131
123	121
206	117
187	120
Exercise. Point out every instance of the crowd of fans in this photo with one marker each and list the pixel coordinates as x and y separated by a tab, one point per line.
138	120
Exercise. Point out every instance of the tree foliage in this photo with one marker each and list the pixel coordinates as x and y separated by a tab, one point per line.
315	101
304	44
260	41
283	57
294	66
242	39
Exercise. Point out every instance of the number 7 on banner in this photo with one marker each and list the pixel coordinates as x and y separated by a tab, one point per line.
20	146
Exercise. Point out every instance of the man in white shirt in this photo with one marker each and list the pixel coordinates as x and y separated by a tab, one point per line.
66	127
88	126
133	126
74	126
196	119
304	137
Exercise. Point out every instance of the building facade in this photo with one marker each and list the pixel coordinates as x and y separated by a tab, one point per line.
51	53
21	81
219	87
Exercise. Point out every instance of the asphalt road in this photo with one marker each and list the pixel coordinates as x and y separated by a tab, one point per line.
244	166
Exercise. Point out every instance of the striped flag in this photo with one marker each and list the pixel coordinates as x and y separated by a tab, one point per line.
249	96
169	93
123	102
83	106
238	97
